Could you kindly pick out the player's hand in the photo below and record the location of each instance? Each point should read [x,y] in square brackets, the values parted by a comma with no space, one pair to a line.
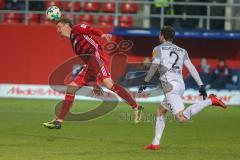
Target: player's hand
[202,91]
[142,87]
[97,90]
[108,37]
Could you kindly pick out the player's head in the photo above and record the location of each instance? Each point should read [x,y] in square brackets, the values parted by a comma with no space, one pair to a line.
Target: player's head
[64,27]
[167,33]
[221,62]
[203,61]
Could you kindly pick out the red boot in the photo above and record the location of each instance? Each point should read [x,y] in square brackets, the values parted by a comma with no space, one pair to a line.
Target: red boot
[216,101]
[152,147]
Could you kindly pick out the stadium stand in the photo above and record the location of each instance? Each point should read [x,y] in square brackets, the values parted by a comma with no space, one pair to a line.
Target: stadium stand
[36,5]
[129,7]
[105,20]
[109,7]
[33,18]
[11,18]
[91,6]
[2,4]
[44,20]
[15,5]
[75,5]
[86,18]
[184,14]
[54,3]
[70,16]
[134,14]
[125,21]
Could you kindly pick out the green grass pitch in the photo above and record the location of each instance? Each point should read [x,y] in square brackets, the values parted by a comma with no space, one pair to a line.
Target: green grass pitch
[213,134]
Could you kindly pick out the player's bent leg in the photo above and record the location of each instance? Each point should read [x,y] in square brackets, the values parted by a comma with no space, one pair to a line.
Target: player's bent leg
[119,90]
[196,108]
[180,117]
[108,82]
[73,88]
[68,100]
[161,111]
[66,105]
[159,128]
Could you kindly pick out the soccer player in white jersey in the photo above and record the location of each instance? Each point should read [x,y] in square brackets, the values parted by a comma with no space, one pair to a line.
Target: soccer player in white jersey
[169,59]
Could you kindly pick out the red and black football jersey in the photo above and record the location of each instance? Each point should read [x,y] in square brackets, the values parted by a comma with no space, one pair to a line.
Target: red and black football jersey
[82,42]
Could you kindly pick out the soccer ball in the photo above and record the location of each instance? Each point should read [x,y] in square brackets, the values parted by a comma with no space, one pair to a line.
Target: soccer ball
[53,13]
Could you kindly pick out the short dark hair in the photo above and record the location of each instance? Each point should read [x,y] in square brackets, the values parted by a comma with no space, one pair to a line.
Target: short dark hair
[168,33]
[222,59]
[65,21]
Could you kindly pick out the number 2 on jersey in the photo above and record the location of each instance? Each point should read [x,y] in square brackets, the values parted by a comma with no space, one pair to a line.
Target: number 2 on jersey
[175,62]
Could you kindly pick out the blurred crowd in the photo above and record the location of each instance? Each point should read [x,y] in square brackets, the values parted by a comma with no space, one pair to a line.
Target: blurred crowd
[219,77]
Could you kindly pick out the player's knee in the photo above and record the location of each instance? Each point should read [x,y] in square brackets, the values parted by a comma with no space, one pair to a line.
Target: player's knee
[72,89]
[109,86]
[108,82]
[161,111]
[182,120]
[180,117]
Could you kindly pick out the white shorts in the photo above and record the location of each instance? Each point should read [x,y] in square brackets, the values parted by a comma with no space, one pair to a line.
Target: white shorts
[173,101]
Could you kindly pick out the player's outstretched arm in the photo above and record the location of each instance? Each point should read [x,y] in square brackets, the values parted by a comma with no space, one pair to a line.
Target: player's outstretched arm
[151,71]
[149,76]
[191,68]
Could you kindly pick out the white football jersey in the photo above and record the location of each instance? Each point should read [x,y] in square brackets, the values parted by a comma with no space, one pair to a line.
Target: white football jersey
[170,58]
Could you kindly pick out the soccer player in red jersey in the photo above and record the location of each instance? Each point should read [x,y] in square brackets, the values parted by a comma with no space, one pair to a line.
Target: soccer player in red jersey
[96,68]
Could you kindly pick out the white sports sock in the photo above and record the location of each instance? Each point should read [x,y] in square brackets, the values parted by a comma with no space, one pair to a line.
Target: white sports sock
[196,108]
[160,125]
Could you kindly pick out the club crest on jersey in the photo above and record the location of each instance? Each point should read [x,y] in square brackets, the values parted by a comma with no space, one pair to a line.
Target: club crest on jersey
[154,53]
[83,26]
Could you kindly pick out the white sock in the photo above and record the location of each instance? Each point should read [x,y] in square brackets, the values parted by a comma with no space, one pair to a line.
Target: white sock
[160,125]
[196,108]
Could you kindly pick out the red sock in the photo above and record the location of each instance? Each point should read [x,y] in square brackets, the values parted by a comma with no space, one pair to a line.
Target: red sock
[124,95]
[66,105]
